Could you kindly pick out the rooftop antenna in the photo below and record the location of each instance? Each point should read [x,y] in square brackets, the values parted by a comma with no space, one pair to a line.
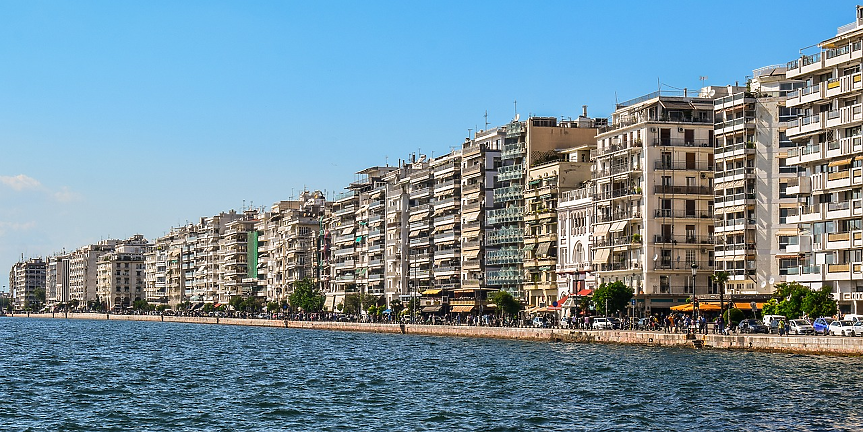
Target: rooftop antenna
[387,160]
[469,130]
[515,107]
[486,120]
[703,78]
[244,205]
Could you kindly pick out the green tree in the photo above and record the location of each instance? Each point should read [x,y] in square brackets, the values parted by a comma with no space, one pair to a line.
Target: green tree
[616,294]
[39,295]
[141,305]
[307,297]
[354,301]
[789,300]
[396,306]
[507,305]
[819,303]
[733,316]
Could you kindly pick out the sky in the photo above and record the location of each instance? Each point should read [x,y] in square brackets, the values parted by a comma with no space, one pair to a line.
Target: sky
[132,117]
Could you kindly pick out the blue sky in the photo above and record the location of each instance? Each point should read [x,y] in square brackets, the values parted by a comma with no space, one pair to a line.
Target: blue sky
[119,118]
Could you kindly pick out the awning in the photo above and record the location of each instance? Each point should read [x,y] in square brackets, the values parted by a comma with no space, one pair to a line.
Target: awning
[444,228]
[470,254]
[618,226]
[432,309]
[431,292]
[732,209]
[348,230]
[704,307]
[559,303]
[670,105]
[789,256]
[417,217]
[601,256]
[734,184]
[470,217]
[787,232]
[461,309]
[601,229]
[529,247]
[748,306]
[543,248]
[841,162]
[585,292]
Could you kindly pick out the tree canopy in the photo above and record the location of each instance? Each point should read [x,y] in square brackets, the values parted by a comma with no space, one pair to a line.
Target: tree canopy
[617,294]
[307,297]
[354,303]
[506,304]
[794,300]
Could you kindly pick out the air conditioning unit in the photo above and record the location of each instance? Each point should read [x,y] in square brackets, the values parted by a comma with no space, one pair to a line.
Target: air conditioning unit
[680,129]
[703,175]
[653,129]
[635,265]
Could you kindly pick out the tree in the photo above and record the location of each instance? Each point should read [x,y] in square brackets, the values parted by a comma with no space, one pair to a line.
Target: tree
[141,305]
[733,316]
[39,295]
[819,303]
[506,303]
[307,297]
[616,294]
[396,306]
[354,301]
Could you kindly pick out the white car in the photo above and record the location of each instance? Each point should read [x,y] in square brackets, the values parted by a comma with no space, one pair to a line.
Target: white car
[841,328]
[857,328]
[606,323]
[800,326]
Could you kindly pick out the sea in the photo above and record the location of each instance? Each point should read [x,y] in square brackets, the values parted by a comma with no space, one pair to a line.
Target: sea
[79,375]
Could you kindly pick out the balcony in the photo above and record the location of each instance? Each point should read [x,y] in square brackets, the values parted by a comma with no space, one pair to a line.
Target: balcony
[510,172]
[505,216]
[734,200]
[504,256]
[683,190]
[669,264]
[513,151]
[504,277]
[505,236]
[617,193]
[470,188]
[683,214]
[685,239]
[680,142]
[506,194]
[472,170]
[666,165]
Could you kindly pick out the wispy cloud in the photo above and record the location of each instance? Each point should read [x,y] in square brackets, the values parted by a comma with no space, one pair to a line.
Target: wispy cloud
[16,226]
[20,182]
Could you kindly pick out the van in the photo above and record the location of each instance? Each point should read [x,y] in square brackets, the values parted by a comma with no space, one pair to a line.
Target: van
[772,321]
[853,317]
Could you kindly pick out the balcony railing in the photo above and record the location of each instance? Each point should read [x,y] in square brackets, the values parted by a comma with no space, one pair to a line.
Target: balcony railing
[681,142]
[683,190]
[682,214]
[668,165]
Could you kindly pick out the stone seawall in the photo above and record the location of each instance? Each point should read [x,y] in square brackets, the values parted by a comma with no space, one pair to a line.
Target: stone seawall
[833,345]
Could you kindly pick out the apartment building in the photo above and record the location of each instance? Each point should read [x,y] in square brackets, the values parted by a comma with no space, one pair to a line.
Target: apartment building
[291,243]
[575,273]
[653,198]
[480,162]
[57,280]
[120,278]
[829,145]
[25,278]
[238,260]
[446,220]
[529,184]
[751,182]
[83,264]
[396,251]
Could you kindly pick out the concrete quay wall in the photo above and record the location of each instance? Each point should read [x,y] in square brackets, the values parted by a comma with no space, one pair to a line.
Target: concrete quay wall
[833,345]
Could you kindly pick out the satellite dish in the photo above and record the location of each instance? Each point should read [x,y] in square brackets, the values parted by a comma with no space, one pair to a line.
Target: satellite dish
[772,280]
[711,93]
[655,257]
[763,284]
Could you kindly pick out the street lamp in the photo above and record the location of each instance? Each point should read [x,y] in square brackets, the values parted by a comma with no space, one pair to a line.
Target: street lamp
[694,296]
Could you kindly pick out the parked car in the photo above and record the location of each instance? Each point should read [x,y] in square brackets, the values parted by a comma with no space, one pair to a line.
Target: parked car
[800,326]
[539,322]
[853,317]
[606,323]
[821,325]
[841,328]
[751,326]
[857,328]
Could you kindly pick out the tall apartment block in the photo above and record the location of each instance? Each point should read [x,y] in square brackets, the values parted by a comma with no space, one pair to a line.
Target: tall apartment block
[828,154]
[238,260]
[575,272]
[120,274]
[480,162]
[653,198]
[529,183]
[24,279]
[446,220]
[290,243]
[83,266]
[751,182]
[57,280]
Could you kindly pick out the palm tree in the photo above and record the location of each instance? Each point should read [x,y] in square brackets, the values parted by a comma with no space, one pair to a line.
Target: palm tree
[720,278]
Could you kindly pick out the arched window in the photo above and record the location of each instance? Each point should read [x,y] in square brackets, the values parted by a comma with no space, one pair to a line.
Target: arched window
[579,253]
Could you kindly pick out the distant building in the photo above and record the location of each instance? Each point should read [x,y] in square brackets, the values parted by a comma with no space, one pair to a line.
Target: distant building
[25,278]
[120,274]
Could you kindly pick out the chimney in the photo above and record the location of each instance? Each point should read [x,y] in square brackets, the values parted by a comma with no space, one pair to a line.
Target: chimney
[584,111]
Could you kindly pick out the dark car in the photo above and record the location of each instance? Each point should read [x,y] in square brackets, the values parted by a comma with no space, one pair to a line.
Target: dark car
[751,326]
[822,325]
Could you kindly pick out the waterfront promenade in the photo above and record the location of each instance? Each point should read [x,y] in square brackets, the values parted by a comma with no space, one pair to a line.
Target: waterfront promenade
[833,345]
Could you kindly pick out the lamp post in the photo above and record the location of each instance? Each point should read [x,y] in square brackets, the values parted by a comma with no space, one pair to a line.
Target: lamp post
[694,296]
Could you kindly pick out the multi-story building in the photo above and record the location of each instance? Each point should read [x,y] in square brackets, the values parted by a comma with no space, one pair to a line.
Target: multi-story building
[480,161]
[238,260]
[575,220]
[57,280]
[654,198]
[446,221]
[530,153]
[25,278]
[751,180]
[120,274]
[396,248]
[83,271]
[156,269]
[290,243]
[829,144]
[419,224]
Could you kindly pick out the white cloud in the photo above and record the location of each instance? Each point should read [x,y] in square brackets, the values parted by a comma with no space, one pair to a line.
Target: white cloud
[23,182]
[16,226]
[20,182]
